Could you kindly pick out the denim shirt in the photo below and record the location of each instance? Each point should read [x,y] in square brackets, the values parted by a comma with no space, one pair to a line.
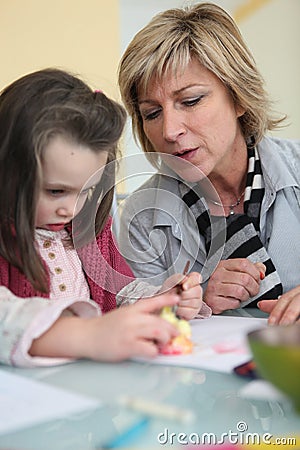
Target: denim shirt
[158,235]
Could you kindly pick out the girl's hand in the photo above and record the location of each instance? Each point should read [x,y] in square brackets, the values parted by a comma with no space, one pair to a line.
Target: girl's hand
[234,281]
[130,331]
[190,292]
[285,310]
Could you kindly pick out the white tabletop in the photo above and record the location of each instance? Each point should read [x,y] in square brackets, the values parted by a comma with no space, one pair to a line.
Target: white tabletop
[216,399]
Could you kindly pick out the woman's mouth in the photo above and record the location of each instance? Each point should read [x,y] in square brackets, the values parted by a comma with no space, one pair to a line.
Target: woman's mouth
[186,153]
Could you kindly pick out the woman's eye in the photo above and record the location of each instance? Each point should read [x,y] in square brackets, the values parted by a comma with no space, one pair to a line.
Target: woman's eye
[151,115]
[193,101]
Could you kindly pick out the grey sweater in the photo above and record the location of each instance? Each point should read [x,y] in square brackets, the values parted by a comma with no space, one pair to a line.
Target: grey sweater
[158,234]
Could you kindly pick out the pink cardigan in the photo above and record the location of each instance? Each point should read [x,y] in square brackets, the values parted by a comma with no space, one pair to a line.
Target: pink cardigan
[107,272]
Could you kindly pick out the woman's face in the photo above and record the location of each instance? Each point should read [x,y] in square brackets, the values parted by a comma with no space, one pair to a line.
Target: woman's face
[192,116]
[70,172]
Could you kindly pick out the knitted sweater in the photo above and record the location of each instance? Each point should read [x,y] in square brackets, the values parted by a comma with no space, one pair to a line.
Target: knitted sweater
[106,272]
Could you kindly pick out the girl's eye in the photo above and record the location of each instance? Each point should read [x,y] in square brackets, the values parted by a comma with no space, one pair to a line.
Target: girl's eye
[55,192]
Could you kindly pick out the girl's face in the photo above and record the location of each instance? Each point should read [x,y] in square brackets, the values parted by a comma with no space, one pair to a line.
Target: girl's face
[192,116]
[70,171]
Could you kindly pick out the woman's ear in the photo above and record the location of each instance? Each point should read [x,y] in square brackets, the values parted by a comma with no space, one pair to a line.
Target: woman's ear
[239,111]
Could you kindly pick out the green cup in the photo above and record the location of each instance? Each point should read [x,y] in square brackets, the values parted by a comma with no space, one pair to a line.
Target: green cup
[276,352]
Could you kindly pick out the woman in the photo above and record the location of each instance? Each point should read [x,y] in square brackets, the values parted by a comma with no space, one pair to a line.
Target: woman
[225,196]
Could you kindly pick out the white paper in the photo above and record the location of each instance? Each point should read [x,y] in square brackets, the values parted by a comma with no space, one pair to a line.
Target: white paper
[26,402]
[220,344]
[261,390]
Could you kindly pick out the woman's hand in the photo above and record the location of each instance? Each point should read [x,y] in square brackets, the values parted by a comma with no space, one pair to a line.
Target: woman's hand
[234,281]
[131,331]
[285,310]
[190,291]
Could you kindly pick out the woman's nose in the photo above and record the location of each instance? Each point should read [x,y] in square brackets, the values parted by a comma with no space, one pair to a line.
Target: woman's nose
[173,125]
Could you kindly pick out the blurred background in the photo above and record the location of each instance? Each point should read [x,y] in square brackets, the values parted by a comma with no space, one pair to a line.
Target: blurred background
[88,37]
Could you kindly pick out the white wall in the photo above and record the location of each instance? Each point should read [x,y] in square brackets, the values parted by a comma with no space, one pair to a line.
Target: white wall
[81,36]
[273,35]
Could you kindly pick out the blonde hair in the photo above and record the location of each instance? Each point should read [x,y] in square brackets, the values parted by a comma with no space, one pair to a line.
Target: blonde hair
[207,33]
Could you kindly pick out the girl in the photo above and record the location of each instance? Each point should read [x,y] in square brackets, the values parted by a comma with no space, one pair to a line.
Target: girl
[58,143]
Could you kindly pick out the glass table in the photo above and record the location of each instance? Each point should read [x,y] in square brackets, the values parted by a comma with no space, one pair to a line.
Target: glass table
[215,399]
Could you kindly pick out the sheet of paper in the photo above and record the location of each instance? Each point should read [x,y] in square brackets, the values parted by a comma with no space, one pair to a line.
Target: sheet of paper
[26,402]
[261,390]
[220,343]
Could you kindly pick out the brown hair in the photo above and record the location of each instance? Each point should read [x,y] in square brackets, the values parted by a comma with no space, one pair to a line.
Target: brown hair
[34,109]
